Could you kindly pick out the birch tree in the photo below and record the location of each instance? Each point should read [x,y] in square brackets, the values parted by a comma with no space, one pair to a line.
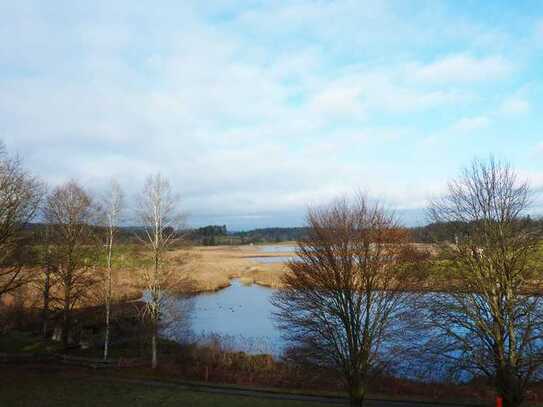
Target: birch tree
[112,204]
[159,215]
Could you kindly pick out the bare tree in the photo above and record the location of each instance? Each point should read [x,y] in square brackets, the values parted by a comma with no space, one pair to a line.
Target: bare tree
[112,205]
[159,215]
[20,197]
[45,281]
[344,294]
[489,324]
[70,213]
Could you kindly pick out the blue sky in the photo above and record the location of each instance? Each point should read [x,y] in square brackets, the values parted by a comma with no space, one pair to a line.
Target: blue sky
[256,109]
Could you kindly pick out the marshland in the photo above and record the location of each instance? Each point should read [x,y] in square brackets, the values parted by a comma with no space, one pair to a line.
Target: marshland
[271,203]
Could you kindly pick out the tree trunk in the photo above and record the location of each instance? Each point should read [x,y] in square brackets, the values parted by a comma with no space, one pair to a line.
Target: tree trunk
[66,317]
[45,310]
[154,362]
[511,398]
[155,315]
[508,388]
[66,323]
[357,391]
[108,312]
[108,296]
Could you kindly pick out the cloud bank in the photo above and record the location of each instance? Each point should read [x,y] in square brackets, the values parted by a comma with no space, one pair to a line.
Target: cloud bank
[255,110]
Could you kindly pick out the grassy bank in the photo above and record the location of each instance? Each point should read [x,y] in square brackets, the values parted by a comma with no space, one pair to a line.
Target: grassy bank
[44,388]
[214,363]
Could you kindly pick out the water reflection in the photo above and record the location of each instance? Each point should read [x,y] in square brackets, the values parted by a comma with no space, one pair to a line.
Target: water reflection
[272,260]
[277,249]
[240,314]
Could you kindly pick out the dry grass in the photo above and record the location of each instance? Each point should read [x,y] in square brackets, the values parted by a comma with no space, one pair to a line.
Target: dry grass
[206,269]
[211,268]
[267,275]
[199,269]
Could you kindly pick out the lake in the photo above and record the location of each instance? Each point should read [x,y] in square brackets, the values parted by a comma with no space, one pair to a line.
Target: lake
[272,260]
[277,249]
[240,317]
[239,314]
[274,249]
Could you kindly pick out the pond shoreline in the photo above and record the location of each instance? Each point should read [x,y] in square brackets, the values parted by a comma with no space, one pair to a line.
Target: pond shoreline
[213,268]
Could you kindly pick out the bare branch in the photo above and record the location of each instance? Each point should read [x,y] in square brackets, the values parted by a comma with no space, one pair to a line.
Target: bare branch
[489,324]
[346,289]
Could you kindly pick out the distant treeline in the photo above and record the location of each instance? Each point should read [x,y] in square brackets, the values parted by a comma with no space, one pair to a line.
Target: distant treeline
[219,235]
[211,235]
[273,235]
[451,231]
[433,232]
[214,235]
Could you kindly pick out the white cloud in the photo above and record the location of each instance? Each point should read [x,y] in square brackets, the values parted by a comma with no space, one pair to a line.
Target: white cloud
[462,68]
[338,101]
[535,180]
[470,124]
[401,99]
[515,106]
[257,111]
[359,92]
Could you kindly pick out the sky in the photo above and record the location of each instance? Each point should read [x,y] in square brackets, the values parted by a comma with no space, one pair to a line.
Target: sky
[255,110]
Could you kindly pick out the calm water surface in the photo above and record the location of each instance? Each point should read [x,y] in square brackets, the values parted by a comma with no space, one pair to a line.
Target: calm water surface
[272,260]
[240,314]
[277,249]
[274,249]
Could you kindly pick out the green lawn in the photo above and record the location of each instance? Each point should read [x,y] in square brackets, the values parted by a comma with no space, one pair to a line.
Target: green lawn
[21,388]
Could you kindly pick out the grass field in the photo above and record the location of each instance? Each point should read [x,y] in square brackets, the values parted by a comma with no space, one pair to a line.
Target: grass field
[49,389]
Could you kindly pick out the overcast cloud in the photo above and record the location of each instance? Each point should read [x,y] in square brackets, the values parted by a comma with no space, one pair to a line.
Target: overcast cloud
[256,109]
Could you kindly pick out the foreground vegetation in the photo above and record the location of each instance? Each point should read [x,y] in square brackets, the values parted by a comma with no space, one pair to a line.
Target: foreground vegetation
[342,304]
[215,363]
[51,388]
